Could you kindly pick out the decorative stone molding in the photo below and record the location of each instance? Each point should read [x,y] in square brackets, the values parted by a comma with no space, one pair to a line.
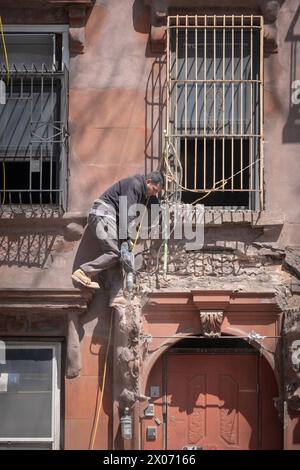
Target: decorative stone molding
[158,23]
[211,323]
[270,10]
[128,357]
[77,11]
[159,13]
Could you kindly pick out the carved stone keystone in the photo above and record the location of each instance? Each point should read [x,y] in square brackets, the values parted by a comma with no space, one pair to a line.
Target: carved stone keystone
[211,323]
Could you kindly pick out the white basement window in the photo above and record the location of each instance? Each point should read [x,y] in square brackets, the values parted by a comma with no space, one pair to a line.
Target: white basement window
[30,396]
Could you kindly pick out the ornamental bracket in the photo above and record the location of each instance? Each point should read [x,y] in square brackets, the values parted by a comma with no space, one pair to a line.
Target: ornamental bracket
[211,322]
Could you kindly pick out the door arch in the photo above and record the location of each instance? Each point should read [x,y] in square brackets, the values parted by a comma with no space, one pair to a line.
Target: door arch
[211,394]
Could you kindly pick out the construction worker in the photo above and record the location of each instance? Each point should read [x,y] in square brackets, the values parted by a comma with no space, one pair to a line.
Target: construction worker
[107,220]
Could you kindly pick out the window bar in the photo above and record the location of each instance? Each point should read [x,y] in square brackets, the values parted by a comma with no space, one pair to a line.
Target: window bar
[41,172]
[215,99]
[176,89]
[185,163]
[196,101]
[169,99]
[30,151]
[232,102]
[204,113]
[232,162]
[152,112]
[223,102]
[185,100]
[251,104]
[232,77]
[51,143]
[196,163]
[261,78]
[30,174]
[168,102]
[241,117]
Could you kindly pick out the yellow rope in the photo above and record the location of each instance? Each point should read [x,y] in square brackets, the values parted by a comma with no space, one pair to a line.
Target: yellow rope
[99,404]
[7,82]
[215,187]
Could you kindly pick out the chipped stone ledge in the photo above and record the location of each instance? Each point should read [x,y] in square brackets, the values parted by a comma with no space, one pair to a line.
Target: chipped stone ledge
[58,301]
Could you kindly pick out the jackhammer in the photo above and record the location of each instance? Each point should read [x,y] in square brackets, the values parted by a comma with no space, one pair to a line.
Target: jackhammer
[127,260]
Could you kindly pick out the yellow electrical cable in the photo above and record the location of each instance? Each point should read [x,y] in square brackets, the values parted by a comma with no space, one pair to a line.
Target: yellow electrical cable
[7,82]
[99,406]
[215,188]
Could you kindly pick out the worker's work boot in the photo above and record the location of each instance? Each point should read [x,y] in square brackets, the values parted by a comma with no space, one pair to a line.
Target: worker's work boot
[83,279]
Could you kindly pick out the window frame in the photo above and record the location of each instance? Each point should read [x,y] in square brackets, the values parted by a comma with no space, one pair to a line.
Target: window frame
[172,137]
[62,29]
[54,440]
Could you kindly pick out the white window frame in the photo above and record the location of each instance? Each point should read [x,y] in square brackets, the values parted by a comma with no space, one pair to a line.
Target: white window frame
[54,440]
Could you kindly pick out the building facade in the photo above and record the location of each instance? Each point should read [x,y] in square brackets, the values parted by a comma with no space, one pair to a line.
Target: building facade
[207,355]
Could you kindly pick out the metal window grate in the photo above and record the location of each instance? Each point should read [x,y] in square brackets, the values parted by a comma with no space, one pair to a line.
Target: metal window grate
[33,137]
[215,108]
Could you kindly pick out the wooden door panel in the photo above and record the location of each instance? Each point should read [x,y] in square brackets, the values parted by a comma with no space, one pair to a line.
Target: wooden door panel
[212,401]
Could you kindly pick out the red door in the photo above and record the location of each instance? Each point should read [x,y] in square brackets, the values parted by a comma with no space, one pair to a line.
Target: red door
[213,401]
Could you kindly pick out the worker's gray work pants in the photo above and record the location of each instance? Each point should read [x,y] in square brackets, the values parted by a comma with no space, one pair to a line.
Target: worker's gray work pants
[105,229]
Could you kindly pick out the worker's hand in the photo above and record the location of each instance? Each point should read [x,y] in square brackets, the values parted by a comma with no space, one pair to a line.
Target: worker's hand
[130,244]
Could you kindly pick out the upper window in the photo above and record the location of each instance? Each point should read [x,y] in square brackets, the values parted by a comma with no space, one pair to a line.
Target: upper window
[214,109]
[33,120]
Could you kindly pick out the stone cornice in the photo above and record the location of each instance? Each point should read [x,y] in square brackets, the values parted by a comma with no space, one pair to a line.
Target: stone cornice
[159,11]
[197,300]
[58,301]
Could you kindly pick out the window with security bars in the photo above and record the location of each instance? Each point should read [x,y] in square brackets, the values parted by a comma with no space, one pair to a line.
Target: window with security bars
[33,121]
[214,110]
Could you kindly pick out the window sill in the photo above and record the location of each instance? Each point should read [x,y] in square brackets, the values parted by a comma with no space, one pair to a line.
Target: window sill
[215,217]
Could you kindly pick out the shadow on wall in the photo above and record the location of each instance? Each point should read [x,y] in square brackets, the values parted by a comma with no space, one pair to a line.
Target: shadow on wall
[155,106]
[291,130]
[26,249]
[155,96]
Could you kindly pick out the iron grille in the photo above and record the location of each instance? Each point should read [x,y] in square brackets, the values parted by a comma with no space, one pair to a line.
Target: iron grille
[33,137]
[215,109]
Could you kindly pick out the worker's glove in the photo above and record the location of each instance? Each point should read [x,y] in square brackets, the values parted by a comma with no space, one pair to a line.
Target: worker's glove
[130,244]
